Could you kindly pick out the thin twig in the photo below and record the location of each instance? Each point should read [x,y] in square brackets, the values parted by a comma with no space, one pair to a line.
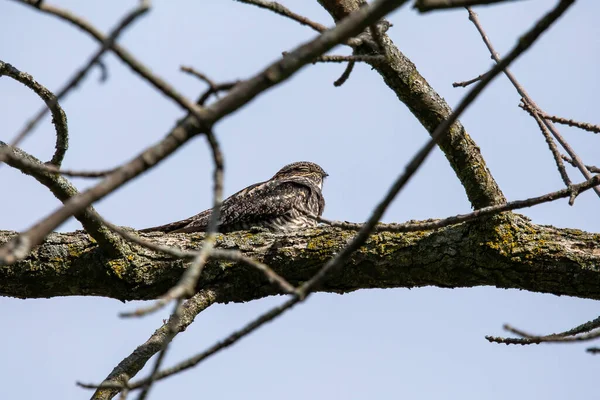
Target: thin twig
[591,168]
[283,11]
[555,153]
[59,118]
[527,99]
[357,58]
[434,5]
[213,87]
[190,70]
[467,83]
[345,75]
[582,125]
[583,328]
[527,338]
[51,169]
[219,87]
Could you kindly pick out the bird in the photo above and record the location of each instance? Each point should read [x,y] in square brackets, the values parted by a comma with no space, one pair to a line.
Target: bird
[292,199]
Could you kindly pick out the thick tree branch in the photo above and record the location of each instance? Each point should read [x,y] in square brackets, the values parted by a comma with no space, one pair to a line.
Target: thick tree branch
[401,75]
[505,251]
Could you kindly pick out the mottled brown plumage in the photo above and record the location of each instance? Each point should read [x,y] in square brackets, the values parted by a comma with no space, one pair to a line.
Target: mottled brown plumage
[290,200]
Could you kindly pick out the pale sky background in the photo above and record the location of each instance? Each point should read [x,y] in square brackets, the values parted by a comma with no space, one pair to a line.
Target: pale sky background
[424,343]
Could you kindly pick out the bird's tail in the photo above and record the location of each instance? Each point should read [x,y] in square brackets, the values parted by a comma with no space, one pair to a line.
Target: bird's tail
[198,221]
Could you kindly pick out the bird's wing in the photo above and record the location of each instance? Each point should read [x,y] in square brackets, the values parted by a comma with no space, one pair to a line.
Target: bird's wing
[263,201]
[254,205]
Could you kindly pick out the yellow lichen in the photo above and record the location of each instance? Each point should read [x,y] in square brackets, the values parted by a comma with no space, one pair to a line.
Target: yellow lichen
[117,266]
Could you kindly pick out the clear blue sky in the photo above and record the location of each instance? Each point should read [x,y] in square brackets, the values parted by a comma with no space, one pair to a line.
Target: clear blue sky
[419,344]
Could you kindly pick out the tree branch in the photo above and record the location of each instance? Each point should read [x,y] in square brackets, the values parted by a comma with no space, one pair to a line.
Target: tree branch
[59,118]
[505,251]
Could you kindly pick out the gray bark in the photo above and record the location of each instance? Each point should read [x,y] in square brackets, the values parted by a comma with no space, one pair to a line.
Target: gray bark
[506,251]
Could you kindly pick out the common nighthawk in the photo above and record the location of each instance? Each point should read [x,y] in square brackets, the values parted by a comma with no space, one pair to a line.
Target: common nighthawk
[290,200]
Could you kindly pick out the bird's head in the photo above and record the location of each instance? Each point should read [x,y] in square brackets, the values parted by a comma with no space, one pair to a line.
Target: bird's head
[304,169]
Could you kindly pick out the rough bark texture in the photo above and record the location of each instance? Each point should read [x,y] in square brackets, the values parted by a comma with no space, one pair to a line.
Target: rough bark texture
[506,251]
[401,75]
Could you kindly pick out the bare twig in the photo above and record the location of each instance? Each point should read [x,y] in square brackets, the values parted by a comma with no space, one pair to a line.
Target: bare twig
[582,125]
[467,83]
[281,10]
[529,101]
[555,153]
[585,327]
[59,118]
[51,169]
[433,5]
[527,338]
[219,87]
[103,71]
[591,168]
[213,87]
[357,58]
[345,75]
[212,84]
